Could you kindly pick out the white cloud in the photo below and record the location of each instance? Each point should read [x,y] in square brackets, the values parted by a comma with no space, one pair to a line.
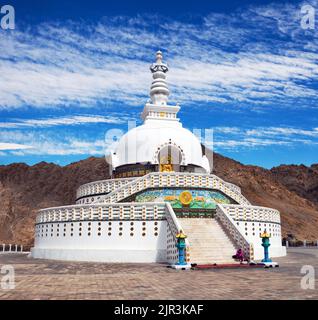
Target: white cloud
[13,146]
[226,130]
[63,121]
[51,143]
[20,143]
[257,56]
[235,138]
[274,131]
[250,143]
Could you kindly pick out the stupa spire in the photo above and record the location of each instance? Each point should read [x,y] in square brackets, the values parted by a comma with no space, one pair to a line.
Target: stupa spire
[159,91]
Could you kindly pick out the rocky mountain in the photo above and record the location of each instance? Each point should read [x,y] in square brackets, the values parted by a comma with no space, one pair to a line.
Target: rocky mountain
[25,189]
[265,188]
[300,179]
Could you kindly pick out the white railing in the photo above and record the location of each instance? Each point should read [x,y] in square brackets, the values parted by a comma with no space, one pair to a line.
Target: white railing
[100,187]
[11,248]
[234,187]
[173,179]
[239,238]
[173,228]
[112,211]
[252,213]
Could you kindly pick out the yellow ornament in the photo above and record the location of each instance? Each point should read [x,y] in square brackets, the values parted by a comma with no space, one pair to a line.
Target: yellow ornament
[166,168]
[181,235]
[185,198]
[265,234]
[166,164]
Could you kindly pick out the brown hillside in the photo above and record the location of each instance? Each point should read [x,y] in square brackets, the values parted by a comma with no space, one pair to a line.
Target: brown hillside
[25,189]
[300,179]
[299,215]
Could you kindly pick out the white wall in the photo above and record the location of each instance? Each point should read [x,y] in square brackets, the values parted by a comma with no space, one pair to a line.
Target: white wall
[252,230]
[111,241]
[101,241]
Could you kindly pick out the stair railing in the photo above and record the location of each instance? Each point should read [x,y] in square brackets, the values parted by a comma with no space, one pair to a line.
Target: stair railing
[239,238]
[126,190]
[101,187]
[13,248]
[173,228]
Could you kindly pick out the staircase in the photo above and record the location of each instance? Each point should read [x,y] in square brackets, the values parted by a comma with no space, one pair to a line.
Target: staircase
[209,243]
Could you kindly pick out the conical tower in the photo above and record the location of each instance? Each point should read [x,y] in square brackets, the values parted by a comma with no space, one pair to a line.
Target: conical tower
[157,108]
[159,91]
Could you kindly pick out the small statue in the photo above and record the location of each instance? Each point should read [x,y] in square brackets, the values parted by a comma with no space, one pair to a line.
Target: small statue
[166,164]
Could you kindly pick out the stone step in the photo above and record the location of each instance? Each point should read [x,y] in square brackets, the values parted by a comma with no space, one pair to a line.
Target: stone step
[224,257]
[215,254]
[207,236]
[200,259]
[214,249]
[210,259]
[208,242]
[207,249]
[218,241]
[211,254]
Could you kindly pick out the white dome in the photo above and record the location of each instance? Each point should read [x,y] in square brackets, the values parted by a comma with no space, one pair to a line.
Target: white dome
[142,144]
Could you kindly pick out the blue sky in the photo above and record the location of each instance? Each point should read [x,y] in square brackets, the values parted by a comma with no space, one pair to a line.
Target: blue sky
[71,71]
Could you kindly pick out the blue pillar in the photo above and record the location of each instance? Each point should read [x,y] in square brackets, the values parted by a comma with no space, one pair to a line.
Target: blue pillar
[265,243]
[181,245]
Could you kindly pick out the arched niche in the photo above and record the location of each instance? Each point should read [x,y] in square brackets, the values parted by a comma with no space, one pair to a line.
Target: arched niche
[169,158]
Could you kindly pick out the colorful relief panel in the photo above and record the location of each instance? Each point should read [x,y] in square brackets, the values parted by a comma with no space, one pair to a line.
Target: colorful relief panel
[180,198]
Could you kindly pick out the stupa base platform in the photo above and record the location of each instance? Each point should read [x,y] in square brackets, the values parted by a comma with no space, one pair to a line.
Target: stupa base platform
[100,255]
[271,264]
[227,266]
[181,266]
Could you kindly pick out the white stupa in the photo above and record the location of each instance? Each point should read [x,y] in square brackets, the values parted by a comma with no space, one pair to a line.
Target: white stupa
[161,184]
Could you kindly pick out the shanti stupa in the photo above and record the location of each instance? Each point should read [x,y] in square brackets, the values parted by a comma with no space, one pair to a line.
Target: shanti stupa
[161,184]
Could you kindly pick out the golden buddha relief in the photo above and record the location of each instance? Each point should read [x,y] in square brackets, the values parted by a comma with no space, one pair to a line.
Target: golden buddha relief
[166,164]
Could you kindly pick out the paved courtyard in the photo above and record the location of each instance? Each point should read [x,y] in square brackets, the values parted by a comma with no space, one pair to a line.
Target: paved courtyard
[41,279]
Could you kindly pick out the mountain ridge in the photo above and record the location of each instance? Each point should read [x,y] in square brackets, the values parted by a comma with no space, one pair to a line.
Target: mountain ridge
[25,189]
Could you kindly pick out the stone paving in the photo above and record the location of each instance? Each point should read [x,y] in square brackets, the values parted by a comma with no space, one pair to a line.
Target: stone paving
[43,279]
